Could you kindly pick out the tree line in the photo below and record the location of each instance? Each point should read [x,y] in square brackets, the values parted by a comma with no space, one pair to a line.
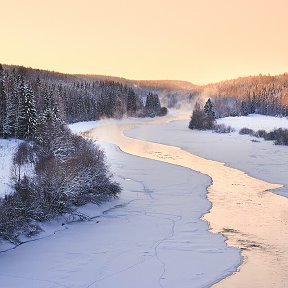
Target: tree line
[263,94]
[26,96]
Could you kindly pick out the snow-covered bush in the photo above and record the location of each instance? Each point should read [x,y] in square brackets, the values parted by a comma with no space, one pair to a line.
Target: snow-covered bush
[260,133]
[222,128]
[279,136]
[246,131]
[76,175]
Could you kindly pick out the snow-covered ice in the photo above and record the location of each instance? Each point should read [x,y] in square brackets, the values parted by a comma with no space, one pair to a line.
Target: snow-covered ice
[152,236]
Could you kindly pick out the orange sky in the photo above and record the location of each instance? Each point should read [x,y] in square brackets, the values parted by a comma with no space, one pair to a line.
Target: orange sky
[200,41]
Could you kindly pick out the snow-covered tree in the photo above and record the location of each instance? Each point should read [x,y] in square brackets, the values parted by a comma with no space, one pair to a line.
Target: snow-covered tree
[11,121]
[29,114]
[201,119]
[3,102]
[152,105]
[131,102]
[209,109]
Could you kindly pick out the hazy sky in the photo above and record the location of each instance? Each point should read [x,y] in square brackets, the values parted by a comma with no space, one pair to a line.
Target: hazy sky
[200,41]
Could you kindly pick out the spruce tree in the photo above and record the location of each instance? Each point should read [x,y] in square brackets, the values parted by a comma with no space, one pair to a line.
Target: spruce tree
[203,118]
[29,115]
[209,109]
[3,102]
[152,105]
[131,102]
[11,118]
[21,113]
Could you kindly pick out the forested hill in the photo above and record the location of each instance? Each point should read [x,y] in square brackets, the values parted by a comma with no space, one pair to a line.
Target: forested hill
[263,94]
[152,84]
[54,171]
[172,93]
[72,98]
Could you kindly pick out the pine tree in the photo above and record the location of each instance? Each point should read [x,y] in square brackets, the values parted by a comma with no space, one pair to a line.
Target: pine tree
[203,118]
[21,113]
[29,116]
[12,103]
[244,108]
[152,105]
[50,125]
[198,118]
[50,109]
[209,109]
[3,102]
[131,102]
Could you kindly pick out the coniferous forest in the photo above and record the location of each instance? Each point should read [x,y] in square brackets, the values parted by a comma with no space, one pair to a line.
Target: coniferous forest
[263,94]
[55,171]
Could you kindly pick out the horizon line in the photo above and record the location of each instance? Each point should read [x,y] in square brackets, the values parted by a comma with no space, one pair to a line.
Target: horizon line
[156,80]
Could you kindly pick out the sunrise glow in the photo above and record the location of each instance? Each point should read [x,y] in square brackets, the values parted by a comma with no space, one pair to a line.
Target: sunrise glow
[198,41]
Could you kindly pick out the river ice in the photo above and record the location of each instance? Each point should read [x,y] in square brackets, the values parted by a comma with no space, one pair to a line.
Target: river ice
[152,236]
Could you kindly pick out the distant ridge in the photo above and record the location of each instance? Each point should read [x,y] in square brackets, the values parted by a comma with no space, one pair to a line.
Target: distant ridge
[155,84]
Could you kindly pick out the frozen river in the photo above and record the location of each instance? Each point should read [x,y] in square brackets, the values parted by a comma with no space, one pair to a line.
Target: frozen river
[252,218]
[156,234]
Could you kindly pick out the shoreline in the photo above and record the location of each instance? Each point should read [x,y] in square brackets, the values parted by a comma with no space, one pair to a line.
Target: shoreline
[252,246]
[261,160]
[158,157]
[152,237]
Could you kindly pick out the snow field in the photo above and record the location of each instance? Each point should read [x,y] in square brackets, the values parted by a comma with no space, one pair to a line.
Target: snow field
[255,122]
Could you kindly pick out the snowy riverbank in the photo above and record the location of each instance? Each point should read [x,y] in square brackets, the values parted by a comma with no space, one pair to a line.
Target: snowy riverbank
[152,236]
[261,159]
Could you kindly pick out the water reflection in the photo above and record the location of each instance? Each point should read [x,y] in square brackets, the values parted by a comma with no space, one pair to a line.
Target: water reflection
[252,218]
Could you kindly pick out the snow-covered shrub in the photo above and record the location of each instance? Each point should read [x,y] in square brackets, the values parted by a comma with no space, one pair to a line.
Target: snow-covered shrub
[82,178]
[19,212]
[163,111]
[279,136]
[222,128]
[76,175]
[246,131]
[260,134]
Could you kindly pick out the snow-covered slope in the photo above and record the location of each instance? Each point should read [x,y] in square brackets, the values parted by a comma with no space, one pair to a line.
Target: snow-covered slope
[7,149]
